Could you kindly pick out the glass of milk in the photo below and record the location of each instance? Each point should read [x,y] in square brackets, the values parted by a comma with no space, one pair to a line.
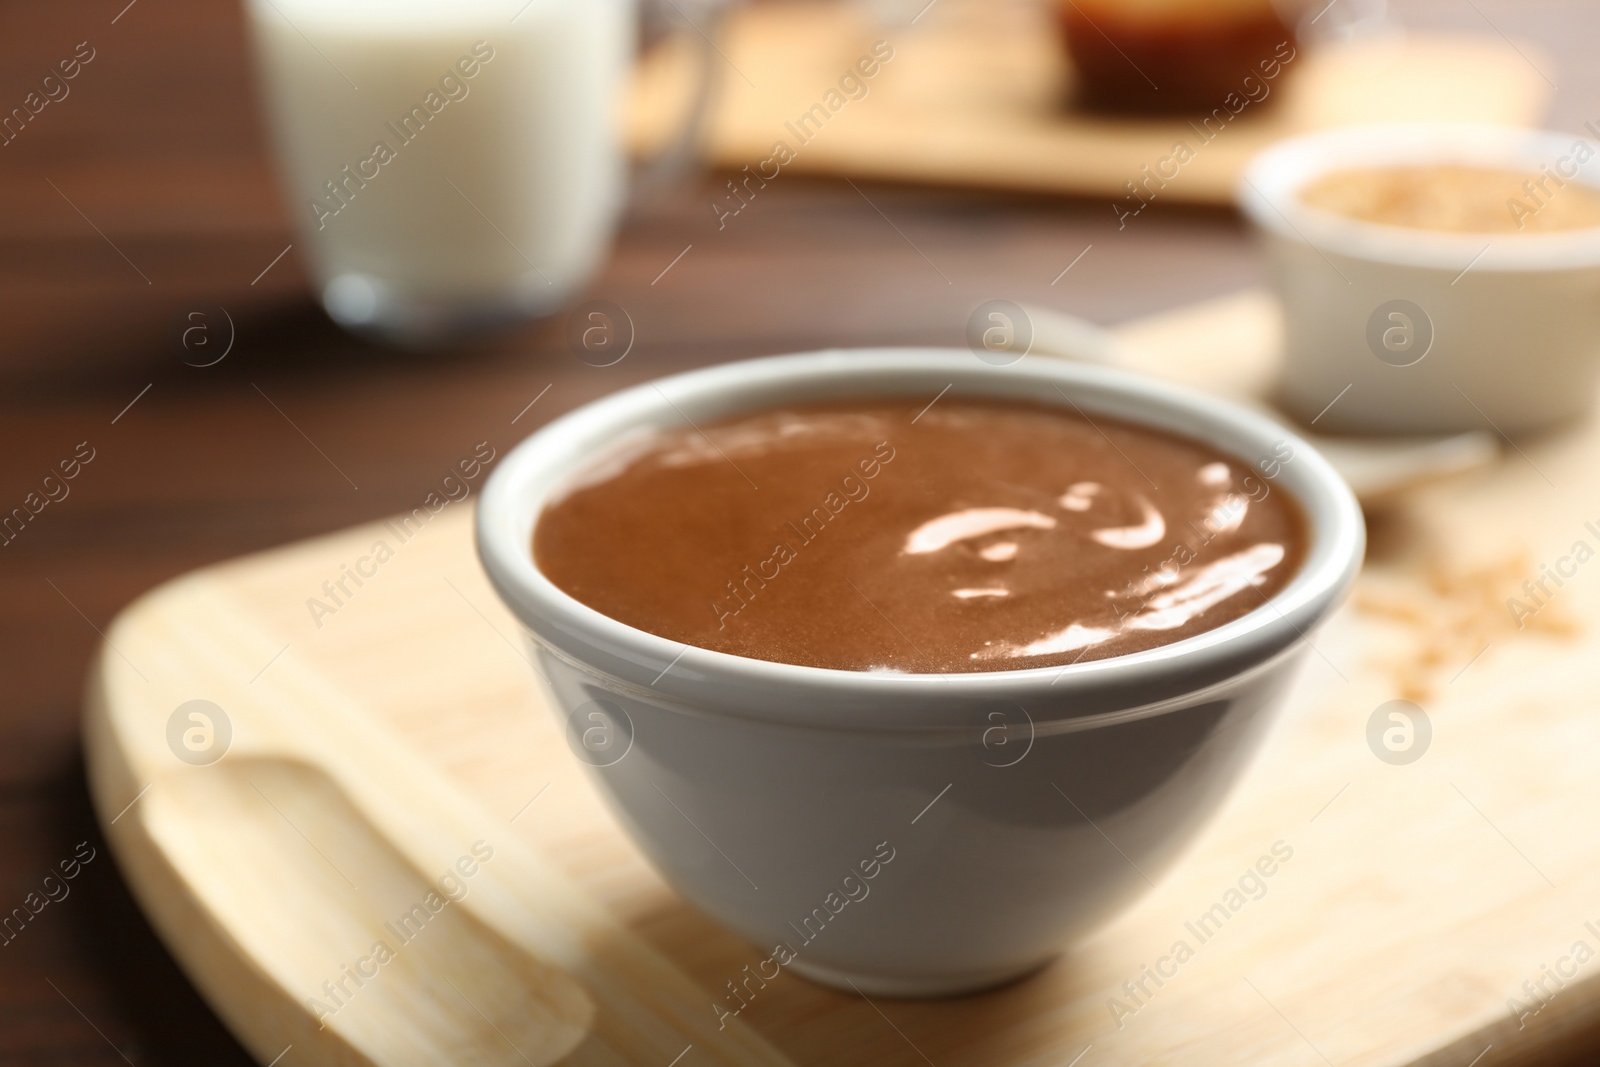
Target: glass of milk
[450,165]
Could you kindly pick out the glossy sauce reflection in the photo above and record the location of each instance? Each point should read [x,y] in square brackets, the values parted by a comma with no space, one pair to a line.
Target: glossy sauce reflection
[984,536]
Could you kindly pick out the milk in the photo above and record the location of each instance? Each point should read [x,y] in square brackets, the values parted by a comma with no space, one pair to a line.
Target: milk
[446,162]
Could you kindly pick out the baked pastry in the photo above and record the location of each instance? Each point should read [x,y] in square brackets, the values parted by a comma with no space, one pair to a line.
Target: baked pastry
[1174,56]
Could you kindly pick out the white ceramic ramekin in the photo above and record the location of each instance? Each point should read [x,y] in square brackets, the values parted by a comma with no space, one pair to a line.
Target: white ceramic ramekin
[1017,809]
[1405,330]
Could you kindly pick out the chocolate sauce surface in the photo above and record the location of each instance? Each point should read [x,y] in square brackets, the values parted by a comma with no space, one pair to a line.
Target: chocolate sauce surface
[977,536]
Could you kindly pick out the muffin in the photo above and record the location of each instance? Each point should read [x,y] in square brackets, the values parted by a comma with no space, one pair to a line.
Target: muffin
[1173,56]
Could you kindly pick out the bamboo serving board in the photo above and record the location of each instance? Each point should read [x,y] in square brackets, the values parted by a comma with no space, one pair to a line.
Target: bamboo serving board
[1441,912]
[975,92]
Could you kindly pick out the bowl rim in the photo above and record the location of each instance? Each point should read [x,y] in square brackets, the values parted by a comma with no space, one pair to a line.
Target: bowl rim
[627,660]
[1268,194]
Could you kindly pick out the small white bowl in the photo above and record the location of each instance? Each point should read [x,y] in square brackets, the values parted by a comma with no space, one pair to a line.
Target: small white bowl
[1400,330]
[1020,809]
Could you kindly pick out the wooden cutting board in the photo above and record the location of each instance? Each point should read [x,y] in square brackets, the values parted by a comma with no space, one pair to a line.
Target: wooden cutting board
[974,96]
[1408,907]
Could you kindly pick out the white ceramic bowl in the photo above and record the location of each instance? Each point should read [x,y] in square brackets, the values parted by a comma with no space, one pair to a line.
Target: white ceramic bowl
[1498,331]
[1018,809]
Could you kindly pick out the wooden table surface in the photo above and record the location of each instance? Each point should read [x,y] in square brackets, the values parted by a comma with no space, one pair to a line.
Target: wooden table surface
[143,199]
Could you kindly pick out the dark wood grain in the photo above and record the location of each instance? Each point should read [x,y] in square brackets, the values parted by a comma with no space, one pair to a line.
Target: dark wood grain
[145,196]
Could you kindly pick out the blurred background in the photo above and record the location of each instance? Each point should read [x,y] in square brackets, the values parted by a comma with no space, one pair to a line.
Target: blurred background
[163,306]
